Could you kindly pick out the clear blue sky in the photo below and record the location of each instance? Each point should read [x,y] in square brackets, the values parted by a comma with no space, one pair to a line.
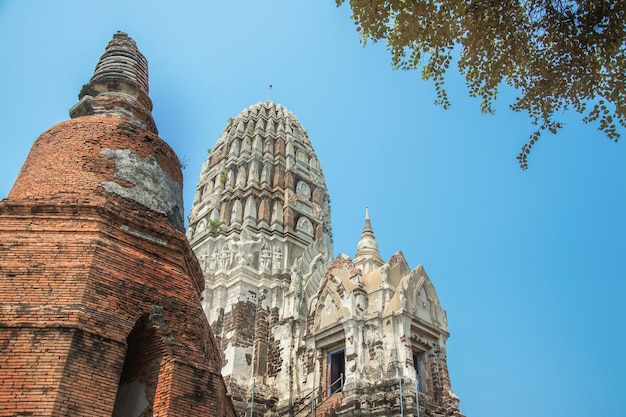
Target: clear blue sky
[530,266]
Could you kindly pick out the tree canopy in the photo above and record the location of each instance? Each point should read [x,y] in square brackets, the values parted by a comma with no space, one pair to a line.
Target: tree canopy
[557,54]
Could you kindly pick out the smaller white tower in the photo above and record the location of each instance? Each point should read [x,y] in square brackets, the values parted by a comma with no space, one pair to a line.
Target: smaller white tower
[367,256]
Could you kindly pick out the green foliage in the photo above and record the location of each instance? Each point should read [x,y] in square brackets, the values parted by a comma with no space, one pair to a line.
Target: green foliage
[230,121]
[558,54]
[223,177]
[214,224]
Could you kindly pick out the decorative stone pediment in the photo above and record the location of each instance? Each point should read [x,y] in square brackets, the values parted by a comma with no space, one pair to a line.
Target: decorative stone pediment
[416,295]
[329,311]
[398,268]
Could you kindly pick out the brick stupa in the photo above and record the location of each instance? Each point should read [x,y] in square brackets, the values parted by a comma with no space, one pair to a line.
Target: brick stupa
[100,309]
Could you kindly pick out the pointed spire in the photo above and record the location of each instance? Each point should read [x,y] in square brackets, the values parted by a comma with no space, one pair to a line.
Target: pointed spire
[119,85]
[367,255]
[368,224]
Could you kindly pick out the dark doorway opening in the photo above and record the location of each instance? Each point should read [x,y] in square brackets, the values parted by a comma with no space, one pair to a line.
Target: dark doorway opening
[336,370]
[138,381]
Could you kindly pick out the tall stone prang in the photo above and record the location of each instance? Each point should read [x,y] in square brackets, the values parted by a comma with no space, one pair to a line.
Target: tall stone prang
[100,311]
[298,330]
[260,225]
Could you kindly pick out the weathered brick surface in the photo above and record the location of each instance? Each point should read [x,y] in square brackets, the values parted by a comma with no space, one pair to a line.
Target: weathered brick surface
[66,161]
[274,349]
[328,406]
[79,268]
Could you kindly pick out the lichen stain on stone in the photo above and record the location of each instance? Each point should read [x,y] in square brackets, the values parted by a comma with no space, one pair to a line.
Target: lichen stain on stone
[152,187]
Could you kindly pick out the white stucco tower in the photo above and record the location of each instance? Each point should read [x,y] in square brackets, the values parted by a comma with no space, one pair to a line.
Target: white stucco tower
[298,329]
[260,225]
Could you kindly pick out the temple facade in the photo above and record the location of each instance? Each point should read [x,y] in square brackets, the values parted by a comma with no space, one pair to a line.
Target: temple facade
[109,307]
[302,331]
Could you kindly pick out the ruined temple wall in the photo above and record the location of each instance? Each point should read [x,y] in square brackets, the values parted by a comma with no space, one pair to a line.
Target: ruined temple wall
[257,344]
[73,284]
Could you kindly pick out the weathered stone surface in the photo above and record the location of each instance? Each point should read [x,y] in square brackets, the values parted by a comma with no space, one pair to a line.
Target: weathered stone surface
[260,225]
[282,308]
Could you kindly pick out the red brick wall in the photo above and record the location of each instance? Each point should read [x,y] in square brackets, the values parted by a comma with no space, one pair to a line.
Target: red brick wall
[65,160]
[78,269]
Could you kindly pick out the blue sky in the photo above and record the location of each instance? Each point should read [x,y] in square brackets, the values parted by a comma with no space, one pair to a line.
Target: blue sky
[529,265]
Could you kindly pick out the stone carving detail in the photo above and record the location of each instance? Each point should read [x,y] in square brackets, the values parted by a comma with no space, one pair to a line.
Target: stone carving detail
[307,273]
[257,143]
[213,262]
[277,213]
[241,177]
[303,189]
[236,215]
[245,248]
[317,211]
[266,174]
[203,258]
[290,197]
[225,258]
[265,258]
[246,145]
[423,300]
[201,226]
[296,279]
[304,225]
[234,148]
[215,214]
[230,181]
[255,172]
[277,257]
[250,212]
[301,156]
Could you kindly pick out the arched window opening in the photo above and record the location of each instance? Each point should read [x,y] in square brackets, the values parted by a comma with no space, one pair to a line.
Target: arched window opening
[140,373]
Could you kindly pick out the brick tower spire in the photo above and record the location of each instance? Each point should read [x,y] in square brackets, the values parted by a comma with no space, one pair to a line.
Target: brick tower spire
[100,292]
[119,85]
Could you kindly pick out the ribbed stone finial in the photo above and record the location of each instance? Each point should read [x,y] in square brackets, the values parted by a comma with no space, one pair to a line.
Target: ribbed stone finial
[119,85]
[367,255]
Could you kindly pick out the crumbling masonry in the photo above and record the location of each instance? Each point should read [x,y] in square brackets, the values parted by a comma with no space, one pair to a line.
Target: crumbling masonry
[105,304]
[295,326]
[100,309]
